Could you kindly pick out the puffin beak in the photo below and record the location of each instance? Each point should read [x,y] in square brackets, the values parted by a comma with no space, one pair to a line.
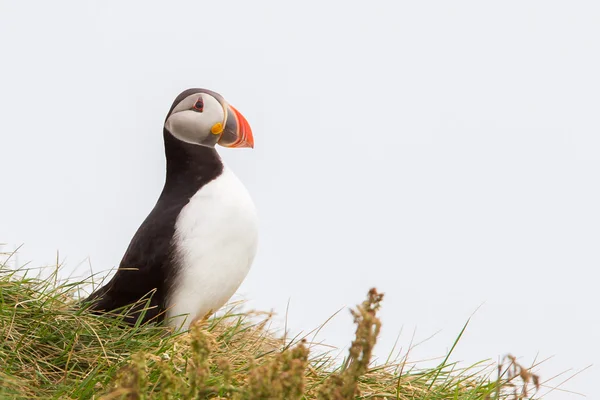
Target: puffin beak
[237,131]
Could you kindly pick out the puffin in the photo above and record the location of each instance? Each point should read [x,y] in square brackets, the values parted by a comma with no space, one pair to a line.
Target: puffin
[194,249]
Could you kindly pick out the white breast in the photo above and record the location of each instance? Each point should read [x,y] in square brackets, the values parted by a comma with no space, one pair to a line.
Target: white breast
[216,236]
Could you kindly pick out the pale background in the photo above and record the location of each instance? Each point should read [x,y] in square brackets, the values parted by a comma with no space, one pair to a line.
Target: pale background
[447,153]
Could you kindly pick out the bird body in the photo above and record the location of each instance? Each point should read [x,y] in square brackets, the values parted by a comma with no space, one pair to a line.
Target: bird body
[196,246]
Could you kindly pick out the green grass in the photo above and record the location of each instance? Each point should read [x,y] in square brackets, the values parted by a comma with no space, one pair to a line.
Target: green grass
[52,348]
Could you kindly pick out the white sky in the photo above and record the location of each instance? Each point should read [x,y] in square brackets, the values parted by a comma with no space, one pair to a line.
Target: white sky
[447,153]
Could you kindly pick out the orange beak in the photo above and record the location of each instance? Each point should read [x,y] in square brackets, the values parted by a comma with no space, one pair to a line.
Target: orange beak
[237,131]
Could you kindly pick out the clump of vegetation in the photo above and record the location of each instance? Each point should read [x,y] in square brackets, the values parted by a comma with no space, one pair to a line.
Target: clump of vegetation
[52,348]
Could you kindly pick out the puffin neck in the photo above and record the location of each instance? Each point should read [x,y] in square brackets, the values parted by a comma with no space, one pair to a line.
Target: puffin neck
[188,163]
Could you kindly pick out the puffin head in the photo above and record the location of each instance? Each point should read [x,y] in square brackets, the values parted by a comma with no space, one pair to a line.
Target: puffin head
[203,117]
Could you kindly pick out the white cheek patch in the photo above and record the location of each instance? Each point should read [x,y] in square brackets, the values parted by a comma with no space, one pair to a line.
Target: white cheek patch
[186,126]
[193,126]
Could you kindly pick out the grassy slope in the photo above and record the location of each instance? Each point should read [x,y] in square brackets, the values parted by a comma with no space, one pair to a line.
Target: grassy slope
[51,348]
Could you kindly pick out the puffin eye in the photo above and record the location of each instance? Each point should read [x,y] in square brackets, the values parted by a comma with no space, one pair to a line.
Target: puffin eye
[199,106]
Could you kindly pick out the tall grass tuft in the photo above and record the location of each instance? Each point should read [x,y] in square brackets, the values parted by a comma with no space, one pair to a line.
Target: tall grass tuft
[53,348]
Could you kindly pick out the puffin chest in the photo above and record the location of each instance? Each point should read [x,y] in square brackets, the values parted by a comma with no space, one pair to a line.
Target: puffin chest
[215,241]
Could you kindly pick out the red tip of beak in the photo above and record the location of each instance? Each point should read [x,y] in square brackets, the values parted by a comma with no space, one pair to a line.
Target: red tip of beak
[244,133]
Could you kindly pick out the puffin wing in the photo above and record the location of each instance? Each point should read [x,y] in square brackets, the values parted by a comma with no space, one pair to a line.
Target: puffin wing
[141,274]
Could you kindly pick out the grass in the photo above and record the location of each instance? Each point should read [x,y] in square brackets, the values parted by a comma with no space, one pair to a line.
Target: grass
[52,348]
